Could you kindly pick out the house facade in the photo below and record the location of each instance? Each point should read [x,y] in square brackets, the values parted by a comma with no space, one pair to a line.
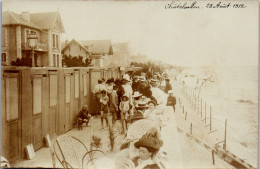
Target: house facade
[15,30]
[99,51]
[121,55]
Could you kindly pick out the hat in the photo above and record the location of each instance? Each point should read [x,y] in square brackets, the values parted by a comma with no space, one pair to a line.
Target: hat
[141,104]
[137,116]
[170,91]
[100,80]
[137,94]
[141,78]
[153,80]
[150,140]
[125,96]
[85,107]
[103,91]
[109,80]
[126,77]
[167,79]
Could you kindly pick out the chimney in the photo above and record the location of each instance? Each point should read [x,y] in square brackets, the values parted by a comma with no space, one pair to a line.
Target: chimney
[26,16]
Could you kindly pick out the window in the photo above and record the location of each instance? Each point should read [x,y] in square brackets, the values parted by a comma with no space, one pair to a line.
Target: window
[53,90]
[54,60]
[4,37]
[27,32]
[3,58]
[11,84]
[67,88]
[85,84]
[55,41]
[37,95]
[76,84]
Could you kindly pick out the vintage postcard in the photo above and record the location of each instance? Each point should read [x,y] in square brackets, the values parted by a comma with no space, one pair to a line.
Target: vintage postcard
[129,84]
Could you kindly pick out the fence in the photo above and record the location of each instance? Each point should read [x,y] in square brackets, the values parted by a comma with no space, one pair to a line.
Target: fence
[40,101]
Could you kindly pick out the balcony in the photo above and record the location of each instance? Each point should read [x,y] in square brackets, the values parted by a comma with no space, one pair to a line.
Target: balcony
[41,47]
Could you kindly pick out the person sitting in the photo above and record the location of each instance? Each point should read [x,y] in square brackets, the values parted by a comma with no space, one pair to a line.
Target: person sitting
[150,112]
[148,145]
[83,116]
[171,101]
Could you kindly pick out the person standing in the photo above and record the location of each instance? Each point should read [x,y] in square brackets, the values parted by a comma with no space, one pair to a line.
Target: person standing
[97,95]
[124,108]
[104,108]
[168,86]
[113,104]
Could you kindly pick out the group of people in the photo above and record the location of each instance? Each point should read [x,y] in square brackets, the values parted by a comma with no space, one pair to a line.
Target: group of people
[130,99]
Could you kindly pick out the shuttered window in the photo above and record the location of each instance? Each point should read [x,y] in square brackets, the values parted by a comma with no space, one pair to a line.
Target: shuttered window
[76,84]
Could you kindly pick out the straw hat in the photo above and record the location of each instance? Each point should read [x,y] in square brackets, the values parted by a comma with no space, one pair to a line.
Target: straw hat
[153,80]
[126,77]
[137,94]
[141,104]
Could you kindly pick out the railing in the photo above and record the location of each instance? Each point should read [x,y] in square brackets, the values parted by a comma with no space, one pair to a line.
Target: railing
[39,47]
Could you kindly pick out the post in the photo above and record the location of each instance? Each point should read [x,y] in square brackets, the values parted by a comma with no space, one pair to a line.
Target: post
[191,129]
[213,158]
[225,136]
[210,118]
[33,64]
[186,115]
[201,107]
[205,111]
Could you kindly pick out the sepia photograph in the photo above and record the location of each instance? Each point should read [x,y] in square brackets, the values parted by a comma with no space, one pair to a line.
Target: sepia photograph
[129,84]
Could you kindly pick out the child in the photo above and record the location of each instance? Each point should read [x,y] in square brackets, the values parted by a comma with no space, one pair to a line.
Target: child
[104,107]
[171,101]
[124,108]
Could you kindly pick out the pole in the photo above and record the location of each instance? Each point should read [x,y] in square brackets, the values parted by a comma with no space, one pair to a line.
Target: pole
[191,129]
[186,115]
[33,64]
[205,111]
[182,109]
[213,158]
[210,118]
[201,107]
[225,137]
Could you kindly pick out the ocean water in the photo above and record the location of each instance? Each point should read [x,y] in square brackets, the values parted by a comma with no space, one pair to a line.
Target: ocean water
[232,93]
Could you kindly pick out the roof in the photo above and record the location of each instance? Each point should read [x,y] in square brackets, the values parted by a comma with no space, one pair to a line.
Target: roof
[47,20]
[73,40]
[11,18]
[39,21]
[98,46]
[120,47]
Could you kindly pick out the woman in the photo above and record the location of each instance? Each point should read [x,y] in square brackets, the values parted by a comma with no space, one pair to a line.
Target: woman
[148,145]
[150,112]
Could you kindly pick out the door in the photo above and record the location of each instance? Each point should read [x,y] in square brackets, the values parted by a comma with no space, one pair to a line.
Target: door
[76,102]
[11,117]
[94,76]
[53,103]
[37,112]
[68,117]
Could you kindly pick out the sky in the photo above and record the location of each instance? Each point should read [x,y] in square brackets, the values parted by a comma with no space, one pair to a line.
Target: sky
[190,37]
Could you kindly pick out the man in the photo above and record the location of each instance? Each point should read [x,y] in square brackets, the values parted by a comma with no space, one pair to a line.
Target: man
[127,88]
[158,94]
[113,104]
[97,95]
[171,101]
[83,116]
[168,86]
[104,108]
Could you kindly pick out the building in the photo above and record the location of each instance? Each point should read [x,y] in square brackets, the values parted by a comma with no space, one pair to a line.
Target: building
[121,55]
[138,58]
[75,49]
[99,51]
[15,30]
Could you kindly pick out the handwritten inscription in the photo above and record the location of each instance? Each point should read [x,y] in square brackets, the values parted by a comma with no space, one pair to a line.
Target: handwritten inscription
[196,5]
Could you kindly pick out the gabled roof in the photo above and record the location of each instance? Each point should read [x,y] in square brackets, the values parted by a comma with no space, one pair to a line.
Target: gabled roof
[73,40]
[11,18]
[39,21]
[47,20]
[120,47]
[98,47]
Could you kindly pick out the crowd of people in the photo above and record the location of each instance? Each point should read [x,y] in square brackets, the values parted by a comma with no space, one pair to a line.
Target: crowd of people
[129,100]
